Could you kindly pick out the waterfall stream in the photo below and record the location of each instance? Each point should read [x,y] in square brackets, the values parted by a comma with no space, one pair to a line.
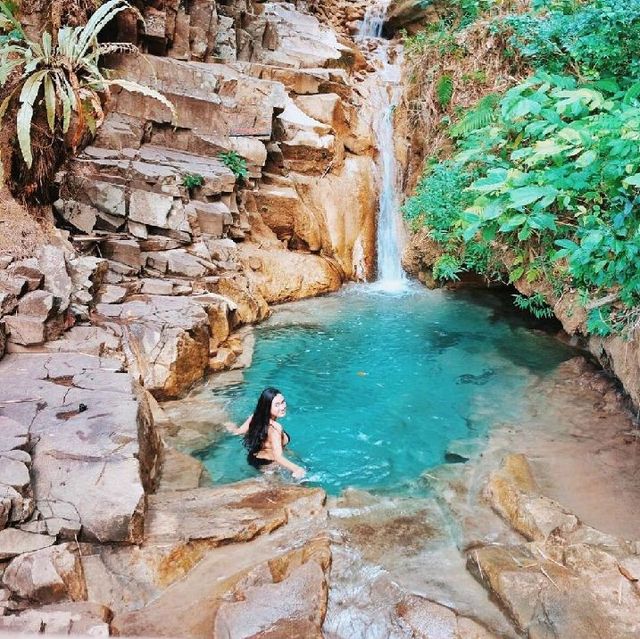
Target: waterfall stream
[385,97]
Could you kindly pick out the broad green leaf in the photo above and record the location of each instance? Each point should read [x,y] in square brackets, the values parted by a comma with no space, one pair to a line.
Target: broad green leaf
[529,194]
[512,223]
[50,101]
[586,159]
[632,180]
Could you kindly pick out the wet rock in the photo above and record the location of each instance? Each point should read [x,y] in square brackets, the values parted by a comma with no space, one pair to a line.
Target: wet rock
[16,542]
[297,609]
[513,493]
[180,471]
[47,576]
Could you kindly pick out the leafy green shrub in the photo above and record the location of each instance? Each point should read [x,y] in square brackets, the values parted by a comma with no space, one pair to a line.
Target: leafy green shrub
[66,74]
[535,304]
[597,39]
[235,163]
[447,267]
[192,180]
[554,175]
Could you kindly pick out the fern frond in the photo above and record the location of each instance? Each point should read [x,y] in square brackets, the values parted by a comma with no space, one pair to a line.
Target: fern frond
[477,118]
[444,90]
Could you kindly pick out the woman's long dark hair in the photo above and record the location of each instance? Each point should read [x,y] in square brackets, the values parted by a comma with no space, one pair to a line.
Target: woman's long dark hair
[259,424]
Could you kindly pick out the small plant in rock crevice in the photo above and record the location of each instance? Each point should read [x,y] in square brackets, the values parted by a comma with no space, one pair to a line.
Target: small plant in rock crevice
[235,163]
[192,180]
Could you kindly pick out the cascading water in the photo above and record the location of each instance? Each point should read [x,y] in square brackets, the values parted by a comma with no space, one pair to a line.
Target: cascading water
[385,96]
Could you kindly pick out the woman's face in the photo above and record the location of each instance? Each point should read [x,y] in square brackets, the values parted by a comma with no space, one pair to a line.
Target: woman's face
[278,407]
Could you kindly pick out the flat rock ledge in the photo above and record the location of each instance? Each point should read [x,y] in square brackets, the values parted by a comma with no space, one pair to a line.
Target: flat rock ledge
[93,449]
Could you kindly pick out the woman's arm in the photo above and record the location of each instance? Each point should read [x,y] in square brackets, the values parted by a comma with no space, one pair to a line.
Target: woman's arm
[240,430]
[275,440]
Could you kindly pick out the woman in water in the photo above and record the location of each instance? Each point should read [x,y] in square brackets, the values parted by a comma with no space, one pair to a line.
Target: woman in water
[264,437]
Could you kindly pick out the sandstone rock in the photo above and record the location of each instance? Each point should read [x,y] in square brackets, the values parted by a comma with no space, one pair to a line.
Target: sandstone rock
[110,294]
[13,284]
[125,251]
[237,512]
[168,341]
[82,216]
[288,276]
[8,303]
[426,619]
[324,107]
[51,261]
[26,330]
[221,313]
[251,305]
[38,304]
[222,360]
[157,287]
[150,208]
[212,217]
[12,434]
[96,449]
[69,618]
[14,473]
[48,575]
[297,609]
[17,542]
[180,471]
[29,270]
[513,493]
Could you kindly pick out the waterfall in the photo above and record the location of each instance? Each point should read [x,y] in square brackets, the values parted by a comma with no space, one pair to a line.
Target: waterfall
[385,97]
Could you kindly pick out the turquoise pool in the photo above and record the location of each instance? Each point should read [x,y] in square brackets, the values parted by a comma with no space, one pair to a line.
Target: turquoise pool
[379,384]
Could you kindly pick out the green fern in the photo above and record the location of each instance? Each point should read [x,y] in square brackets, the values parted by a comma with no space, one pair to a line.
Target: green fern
[444,90]
[479,117]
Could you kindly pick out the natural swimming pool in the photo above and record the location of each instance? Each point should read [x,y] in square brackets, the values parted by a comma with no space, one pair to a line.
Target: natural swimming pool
[381,385]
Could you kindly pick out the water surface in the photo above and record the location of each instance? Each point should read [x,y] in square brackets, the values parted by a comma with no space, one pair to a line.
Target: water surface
[378,385]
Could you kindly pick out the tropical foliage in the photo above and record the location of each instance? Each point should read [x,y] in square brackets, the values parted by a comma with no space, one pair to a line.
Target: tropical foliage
[546,177]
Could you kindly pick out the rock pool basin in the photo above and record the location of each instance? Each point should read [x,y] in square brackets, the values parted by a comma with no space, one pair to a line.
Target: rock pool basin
[382,386]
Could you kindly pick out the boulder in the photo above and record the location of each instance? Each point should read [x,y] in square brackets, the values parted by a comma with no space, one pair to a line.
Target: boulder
[167,341]
[14,473]
[8,303]
[29,270]
[123,251]
[49,575]
[40,304]
[283,276]
[25,330]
